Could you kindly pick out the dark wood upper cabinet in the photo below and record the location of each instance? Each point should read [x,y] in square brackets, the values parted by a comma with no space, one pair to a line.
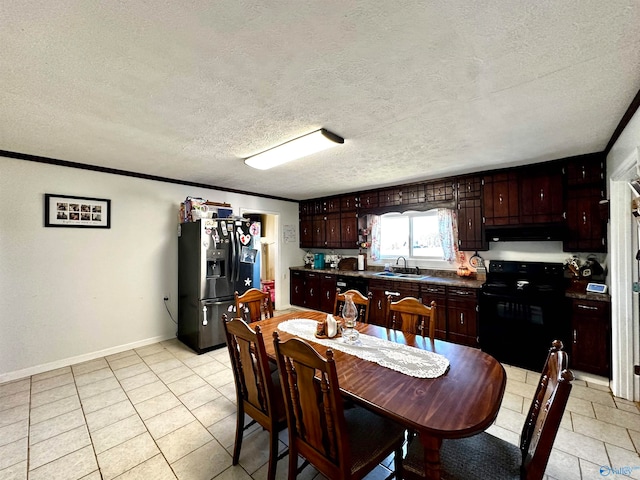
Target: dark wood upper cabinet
[586,219]
[562,195]
[469,187]
[586,228]
[585,170]
[332,230]
[413,194]
[501,205]
[306,231]
[541,195]
[440,191]
[369,200]
[470,228]
[349,203]
[390,197]
[349,230]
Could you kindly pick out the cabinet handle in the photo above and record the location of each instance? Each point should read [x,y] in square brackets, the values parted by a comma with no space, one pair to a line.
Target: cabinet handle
[500,199]
[461,318]
[379,304]
[584,218]
[470,224]
[584,172]
[311,292]
[542,195]
[587,307]
[575,336]
[393,294]
[348,228]
[328,295]
[296,289]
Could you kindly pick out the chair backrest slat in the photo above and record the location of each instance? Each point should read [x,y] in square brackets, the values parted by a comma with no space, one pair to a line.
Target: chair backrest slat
[545,414]
[362,304]
[254,305]
[314,405]
[249,361]
[410,315]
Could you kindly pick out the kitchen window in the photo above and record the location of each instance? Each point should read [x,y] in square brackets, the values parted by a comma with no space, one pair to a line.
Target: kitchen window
[415,235]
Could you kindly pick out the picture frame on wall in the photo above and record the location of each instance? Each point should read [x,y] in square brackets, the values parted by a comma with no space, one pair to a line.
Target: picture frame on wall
[78,212]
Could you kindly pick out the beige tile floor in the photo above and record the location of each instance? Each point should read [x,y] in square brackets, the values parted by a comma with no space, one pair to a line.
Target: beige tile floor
[163,412]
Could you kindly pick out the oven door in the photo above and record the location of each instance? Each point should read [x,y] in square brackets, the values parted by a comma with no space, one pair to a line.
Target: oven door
[518,329]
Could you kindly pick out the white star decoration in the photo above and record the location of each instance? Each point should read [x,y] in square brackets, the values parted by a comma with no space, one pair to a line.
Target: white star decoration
[247,282]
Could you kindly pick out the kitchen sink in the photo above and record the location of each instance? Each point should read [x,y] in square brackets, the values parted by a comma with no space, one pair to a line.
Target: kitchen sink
[416,276]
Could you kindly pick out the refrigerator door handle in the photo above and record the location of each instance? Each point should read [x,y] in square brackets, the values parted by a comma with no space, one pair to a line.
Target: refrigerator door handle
[232,260]
[237,235]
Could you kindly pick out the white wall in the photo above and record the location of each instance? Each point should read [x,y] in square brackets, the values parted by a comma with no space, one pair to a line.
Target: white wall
[70,294]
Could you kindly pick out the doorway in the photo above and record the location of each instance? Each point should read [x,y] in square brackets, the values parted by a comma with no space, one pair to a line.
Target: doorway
[268,251]
[625,318]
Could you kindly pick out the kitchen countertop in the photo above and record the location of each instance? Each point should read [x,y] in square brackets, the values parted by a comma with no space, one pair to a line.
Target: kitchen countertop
[434,277]
[449,278]
[577,289]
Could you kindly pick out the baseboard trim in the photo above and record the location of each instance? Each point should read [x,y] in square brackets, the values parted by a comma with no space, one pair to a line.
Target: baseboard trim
[65,362]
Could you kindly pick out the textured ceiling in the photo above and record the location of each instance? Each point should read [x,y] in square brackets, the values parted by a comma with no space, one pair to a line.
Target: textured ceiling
[419,90]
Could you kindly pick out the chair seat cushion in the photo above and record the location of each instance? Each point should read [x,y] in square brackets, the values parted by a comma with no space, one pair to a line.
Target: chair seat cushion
[480,456]
[370,437]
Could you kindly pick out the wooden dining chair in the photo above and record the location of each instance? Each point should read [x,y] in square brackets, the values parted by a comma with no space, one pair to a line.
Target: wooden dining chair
[362,304]
[341,443]
[258,392]
[412,316]
[254,305]
[486,456]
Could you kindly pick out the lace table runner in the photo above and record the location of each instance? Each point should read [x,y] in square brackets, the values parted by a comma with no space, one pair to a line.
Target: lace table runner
[396,356]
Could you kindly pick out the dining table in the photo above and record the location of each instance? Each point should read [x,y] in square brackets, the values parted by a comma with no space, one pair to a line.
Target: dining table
[462,401]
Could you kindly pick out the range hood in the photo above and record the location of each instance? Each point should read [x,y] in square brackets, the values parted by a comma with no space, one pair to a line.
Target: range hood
[524,233]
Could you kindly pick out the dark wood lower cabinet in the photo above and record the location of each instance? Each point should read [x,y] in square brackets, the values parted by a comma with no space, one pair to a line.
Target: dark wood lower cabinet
[437,293]
[327,292]
[297,289]
[591,342]
[462,315]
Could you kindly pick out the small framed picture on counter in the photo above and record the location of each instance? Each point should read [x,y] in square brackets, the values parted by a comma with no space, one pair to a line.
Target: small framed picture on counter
[81,212]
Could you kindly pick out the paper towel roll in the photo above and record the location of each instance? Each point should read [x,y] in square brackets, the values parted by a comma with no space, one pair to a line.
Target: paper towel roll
[361,262]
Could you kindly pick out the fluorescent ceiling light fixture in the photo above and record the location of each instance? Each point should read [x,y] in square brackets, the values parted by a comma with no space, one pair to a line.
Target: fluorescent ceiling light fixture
[297,148]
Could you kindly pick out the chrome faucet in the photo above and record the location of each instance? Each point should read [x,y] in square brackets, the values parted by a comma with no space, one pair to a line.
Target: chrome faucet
[405,262]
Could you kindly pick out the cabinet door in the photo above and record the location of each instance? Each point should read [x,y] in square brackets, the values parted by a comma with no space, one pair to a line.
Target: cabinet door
[313,291]
[377,313]
[586,229]
[439,191]
[348,230]
[591,348]
[328,292]
[541,195]
[319,228]
[437,293]
[390,196]
[585,170]
[332,230]
[501,199]
[470,226]
[462,316]
[297,289]
[332,205]
[369,200]
[348,203]
[413,194]
[469,187]
[306,232]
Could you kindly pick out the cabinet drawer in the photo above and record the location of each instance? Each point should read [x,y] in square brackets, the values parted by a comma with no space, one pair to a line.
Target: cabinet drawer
[591,308]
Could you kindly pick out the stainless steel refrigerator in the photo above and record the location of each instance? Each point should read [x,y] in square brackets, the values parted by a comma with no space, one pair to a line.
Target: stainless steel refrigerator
[216,257]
